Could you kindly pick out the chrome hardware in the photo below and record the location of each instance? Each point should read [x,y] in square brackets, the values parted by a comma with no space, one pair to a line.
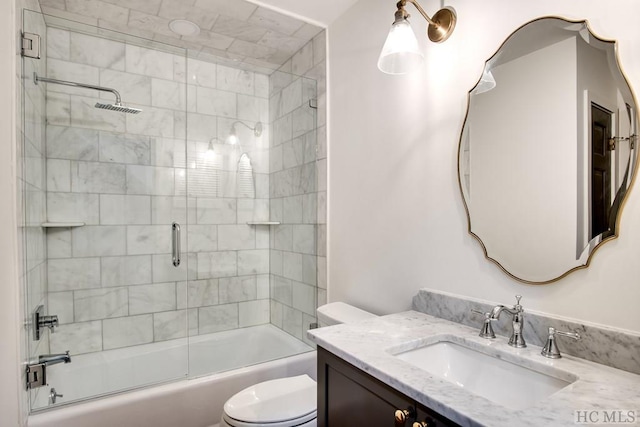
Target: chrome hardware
[54,359]
[487,330]
[175,243]
[313,103]
[36,375]
[53,396]
[551,349]
[402,415]
[41,321]
[314,325]
[30,45]
[517,313]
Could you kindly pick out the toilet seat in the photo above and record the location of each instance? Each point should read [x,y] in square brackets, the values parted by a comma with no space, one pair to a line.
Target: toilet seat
[284,402]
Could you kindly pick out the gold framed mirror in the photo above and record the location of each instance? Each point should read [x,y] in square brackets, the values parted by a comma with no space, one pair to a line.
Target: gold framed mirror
[548,150]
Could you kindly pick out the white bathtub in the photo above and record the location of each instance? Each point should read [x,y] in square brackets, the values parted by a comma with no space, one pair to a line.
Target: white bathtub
[188,403]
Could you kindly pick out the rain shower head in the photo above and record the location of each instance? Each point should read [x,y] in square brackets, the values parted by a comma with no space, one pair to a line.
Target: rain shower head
[118,107]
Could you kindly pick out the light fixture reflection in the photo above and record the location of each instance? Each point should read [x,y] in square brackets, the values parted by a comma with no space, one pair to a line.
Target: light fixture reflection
[486,83]
[401,53]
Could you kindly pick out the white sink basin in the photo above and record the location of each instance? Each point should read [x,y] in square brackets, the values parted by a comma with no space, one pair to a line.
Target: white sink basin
[497,380]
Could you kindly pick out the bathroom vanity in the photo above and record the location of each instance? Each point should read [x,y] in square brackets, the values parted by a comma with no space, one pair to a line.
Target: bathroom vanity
[375,371]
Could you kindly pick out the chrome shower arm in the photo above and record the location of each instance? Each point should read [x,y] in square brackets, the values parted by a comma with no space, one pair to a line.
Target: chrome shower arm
[37,79]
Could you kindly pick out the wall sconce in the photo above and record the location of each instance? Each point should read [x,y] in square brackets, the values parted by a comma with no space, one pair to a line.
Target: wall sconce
[233,133]
[401,53]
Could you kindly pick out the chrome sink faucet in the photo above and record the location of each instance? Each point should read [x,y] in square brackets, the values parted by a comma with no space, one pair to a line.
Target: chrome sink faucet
[517,314]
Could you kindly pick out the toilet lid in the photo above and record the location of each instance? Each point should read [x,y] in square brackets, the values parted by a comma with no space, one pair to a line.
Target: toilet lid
[274,401]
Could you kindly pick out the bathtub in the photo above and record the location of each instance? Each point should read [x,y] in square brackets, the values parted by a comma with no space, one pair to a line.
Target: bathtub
[195,402]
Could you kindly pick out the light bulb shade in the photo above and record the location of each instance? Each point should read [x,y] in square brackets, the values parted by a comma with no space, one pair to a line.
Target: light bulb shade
[401,53]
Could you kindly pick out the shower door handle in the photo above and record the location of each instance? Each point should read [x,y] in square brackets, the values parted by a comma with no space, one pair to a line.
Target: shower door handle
[175,243]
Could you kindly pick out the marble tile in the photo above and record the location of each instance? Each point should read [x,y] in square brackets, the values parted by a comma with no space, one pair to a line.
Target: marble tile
[72,207]
[322,272]
[275,21]
[236,237]
[252,50]
[58,175]
[307,31]
[148,62]
[276,40]
[153,298]
[72,143]
[309,270]
[302,61]
[169,325]
[58,44]
[276,313]
[124,210]
[253,262]
[163,269]
[201,73]
[102,240]
[148,239]
[61,305]
[282,130]
[307,320]
[123,148]
[90,177]
[303,120]
[96,304]
[304,239]
[263,240]
[240,10]
[203,238]
[253,210]
[59,243]
[292,321]
[73,274]
[252,313]
[168,94]
[152,23]
[238,29]
[262,286]
[209,39]
[217,264]
[217,318]
[148,6]
[293,153]
[292,266]
[291,98]
[125,270]
[58,109]
[200,293]
[201,127]
[216,211]
[321,245]
[262,185]
[77,338]
[253,109]
[304,298]
[98,9]
[261,85]
[134,88]
[127,331]
[236,289]
[216,102]
[85,115]
[167,152]
[149,180]
[283,237]
[275,262]
[319,48]
[169,209]
[95,51]
[153,122]
[235,80]
[310,208]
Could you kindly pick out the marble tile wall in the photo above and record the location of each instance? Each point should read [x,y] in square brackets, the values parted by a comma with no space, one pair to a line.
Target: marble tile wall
[31,191]
[298,189]
[128,177]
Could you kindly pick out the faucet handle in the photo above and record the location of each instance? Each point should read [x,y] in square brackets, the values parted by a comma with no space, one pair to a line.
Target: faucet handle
[487,329]
[551,349]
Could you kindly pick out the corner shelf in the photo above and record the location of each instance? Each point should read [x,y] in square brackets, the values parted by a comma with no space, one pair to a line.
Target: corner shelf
[62,224]
[263,222]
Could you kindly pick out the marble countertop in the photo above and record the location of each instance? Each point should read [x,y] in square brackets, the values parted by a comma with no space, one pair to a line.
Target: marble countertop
[370,345]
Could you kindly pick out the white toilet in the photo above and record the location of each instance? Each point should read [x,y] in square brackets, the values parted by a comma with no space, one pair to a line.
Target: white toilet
[285,402]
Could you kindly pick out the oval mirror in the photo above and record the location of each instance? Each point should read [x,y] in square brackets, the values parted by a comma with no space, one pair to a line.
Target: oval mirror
[548,150]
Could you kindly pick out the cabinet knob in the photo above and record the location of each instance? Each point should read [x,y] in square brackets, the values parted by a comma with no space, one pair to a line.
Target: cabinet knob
[402,415]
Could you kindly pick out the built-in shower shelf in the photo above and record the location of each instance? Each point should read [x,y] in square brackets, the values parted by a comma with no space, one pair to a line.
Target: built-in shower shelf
[62,224]
[263,222]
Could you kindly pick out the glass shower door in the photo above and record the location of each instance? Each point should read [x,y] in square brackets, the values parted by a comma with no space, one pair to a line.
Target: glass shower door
[103,188]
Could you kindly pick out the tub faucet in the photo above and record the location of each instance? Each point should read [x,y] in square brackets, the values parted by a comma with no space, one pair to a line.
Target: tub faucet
[54,359]
[517,314]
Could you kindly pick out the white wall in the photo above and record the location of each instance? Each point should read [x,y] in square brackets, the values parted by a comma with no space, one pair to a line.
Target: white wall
[396,218]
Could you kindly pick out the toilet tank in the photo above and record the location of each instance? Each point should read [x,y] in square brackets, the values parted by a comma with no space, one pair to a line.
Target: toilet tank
[338,312]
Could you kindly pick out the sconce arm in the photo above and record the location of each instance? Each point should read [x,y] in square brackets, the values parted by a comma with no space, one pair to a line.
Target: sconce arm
[420,9]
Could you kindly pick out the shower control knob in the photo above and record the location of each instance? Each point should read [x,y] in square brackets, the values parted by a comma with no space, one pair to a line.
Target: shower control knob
[402,415]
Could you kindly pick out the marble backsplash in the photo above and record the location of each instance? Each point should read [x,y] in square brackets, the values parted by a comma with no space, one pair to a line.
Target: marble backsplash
[608,346]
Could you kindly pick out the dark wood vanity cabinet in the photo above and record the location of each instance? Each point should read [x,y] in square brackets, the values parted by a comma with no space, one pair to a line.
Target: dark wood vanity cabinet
[348,396]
